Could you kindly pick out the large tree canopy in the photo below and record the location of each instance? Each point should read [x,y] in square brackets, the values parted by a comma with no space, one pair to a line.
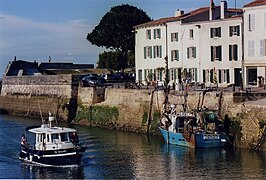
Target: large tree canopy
[115,30]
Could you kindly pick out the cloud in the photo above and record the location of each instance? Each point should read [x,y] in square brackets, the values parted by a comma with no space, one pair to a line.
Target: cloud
[33,40]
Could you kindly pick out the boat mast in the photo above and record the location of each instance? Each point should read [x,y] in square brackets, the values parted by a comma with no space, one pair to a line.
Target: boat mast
[40,112]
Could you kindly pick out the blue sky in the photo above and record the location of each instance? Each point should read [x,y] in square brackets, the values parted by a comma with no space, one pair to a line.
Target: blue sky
[36,29]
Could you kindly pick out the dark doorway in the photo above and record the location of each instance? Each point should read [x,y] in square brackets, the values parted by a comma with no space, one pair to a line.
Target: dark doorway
[238,76]
[179,74]
[252,76]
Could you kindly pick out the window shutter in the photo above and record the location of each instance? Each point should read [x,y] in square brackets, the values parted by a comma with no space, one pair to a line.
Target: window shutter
[176,36]
[220,32]
[219,49]
[154,51]
[150,52]
[154,33]
[204,76]
[211,76]
[220,76]
[145,51]
[159,33]
[172,55]
[228,76]
[212,48]
[211,30]
[230,52]
[230,31]
[238,30]
[235,52]
[160,50]
[177,55]
[196,75]
[188,52]
[194,55]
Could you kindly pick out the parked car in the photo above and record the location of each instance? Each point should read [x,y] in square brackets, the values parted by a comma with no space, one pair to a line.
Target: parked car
[107,77]
[91,81]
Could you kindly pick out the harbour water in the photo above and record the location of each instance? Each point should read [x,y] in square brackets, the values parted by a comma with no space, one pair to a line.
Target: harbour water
[120,155]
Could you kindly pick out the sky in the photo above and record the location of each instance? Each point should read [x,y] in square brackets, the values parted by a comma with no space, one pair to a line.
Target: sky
[36,29]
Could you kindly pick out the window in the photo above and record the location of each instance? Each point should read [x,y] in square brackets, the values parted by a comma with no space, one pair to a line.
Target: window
[157,33]
[224,76]
[140,75]
[191,34]
[147,52]
[251,22]
[233,52]
[216,53]
[263,47]
[192,72]
[157,51]
[64,136]
[54,137]
[191,52]
[234,31]
[215,32]
[251,48]
[148,34]
[174,55]
[174,37]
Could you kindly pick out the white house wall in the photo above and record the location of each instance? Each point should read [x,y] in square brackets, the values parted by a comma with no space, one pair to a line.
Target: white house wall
[256,61]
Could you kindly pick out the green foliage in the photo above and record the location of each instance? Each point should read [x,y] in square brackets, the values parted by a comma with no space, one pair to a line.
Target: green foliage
[115,30]
[97,114]
[236,128]
[110,60]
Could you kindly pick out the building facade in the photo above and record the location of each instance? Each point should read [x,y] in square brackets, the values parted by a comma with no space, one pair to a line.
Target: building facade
[203,46]
[255,43]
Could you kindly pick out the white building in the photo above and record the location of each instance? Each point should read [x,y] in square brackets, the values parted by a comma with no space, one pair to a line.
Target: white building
[255,42]
[202,46]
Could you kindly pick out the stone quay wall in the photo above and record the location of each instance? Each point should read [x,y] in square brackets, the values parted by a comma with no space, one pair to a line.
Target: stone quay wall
[52,85]
[134,107]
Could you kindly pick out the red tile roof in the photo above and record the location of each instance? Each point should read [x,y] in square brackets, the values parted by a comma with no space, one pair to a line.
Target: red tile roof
[182,17]
[169,19]
[256,3]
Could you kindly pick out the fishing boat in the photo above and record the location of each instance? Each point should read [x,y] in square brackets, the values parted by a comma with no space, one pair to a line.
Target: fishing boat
[201,128]
[51,145]
[192,130]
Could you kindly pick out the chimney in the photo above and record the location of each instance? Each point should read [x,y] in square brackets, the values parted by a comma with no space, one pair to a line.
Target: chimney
[178,13]
[212,6]
[223,9]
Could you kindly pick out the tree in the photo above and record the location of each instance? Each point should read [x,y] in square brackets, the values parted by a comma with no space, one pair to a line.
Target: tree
[115,30]
[110,60]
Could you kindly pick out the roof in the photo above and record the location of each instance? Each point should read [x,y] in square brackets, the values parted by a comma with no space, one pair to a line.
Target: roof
[256,3]
[44,129]
[184,16]
[173,18]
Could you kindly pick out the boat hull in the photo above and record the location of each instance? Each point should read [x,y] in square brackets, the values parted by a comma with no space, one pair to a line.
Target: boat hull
[60,157]
[197,140]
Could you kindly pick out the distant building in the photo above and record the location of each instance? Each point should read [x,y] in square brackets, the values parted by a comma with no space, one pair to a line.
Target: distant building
[255,42]
[25,68]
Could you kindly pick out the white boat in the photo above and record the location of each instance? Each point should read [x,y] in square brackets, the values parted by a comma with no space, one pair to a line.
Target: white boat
[51,145]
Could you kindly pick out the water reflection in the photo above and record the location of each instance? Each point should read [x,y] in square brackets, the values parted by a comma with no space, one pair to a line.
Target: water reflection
[119,155]
[38,172]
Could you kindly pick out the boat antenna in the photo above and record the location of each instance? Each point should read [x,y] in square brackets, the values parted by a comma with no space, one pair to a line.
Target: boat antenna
[40,112]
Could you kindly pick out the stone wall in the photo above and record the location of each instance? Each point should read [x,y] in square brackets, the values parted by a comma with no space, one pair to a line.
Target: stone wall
[52,85]
[133,107]
[32,106]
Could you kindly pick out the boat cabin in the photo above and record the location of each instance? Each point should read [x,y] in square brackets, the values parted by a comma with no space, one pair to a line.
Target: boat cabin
[52,138]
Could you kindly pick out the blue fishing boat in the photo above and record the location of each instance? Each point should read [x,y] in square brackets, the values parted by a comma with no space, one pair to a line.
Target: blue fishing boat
[194,130]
